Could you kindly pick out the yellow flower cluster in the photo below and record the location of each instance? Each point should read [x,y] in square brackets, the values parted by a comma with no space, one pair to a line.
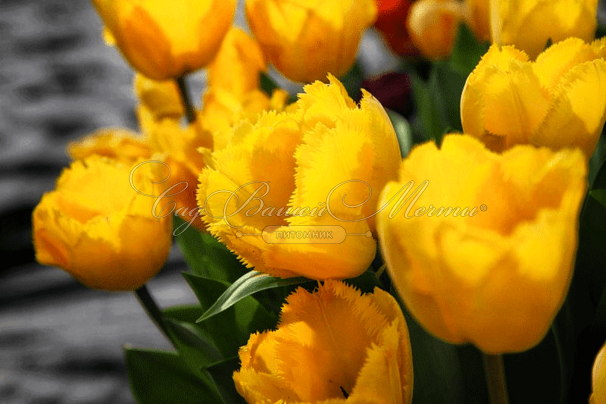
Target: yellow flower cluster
[479,234]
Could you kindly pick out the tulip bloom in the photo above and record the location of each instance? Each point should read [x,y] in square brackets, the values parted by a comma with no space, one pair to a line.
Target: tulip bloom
[100,229]
[305,40]
[598,379]
[433,26]
[163,39]
[314,169]
[332,346]
[530,24]
[484,252]
[558,101]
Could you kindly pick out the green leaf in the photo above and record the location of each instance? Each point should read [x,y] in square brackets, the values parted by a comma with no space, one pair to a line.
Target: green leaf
[403,131]
[429,122]
[206,256]
[247,285]
[222,375]
[366,282]
[352,81]
[194,344]
[160,377]
[231,328]
[535,375]
[188,313]
[443,373]
[599,195]
[467,51]
[268,85]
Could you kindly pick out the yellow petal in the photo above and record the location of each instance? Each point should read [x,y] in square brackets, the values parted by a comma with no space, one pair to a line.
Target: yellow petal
[307,40]
[578,110]
[238,64]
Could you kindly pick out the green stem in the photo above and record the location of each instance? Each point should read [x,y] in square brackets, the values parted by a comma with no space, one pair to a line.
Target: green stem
[153,311]
[187,104]
[495,378]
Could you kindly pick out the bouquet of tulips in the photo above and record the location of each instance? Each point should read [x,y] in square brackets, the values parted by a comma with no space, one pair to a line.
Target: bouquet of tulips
[340,251]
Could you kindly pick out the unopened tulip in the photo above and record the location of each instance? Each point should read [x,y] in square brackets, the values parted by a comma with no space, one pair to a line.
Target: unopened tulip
[305,40]
[433,26]
[167,39]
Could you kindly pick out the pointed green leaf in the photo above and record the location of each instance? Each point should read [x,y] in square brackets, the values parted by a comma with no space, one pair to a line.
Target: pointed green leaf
[403,131]
[205,255]
[231,328]
[222,375]
[467,51]
[247,285]
[161,377]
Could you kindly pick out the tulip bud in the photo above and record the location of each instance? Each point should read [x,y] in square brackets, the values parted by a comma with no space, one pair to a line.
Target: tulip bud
[480,246]
[100,227]
[167,39]
[433,26]
[306,40]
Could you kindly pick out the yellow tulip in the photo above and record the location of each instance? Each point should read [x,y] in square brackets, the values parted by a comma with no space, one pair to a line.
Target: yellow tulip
[530,24]
[598,379]
[233,86]
[116,143]
[477,15]
[331,346]
[433,26]
[318,145]
[238,64]
[495,268]
[161,99]
[167,39]
[184,150]
[305,39]
[558,101]
[99,229]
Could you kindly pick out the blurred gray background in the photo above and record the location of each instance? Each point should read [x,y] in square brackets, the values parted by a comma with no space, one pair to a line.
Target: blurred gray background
[59,341]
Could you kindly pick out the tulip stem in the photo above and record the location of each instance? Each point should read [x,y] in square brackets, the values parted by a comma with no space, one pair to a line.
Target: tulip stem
[185,98]
[495,378]
[153,311]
